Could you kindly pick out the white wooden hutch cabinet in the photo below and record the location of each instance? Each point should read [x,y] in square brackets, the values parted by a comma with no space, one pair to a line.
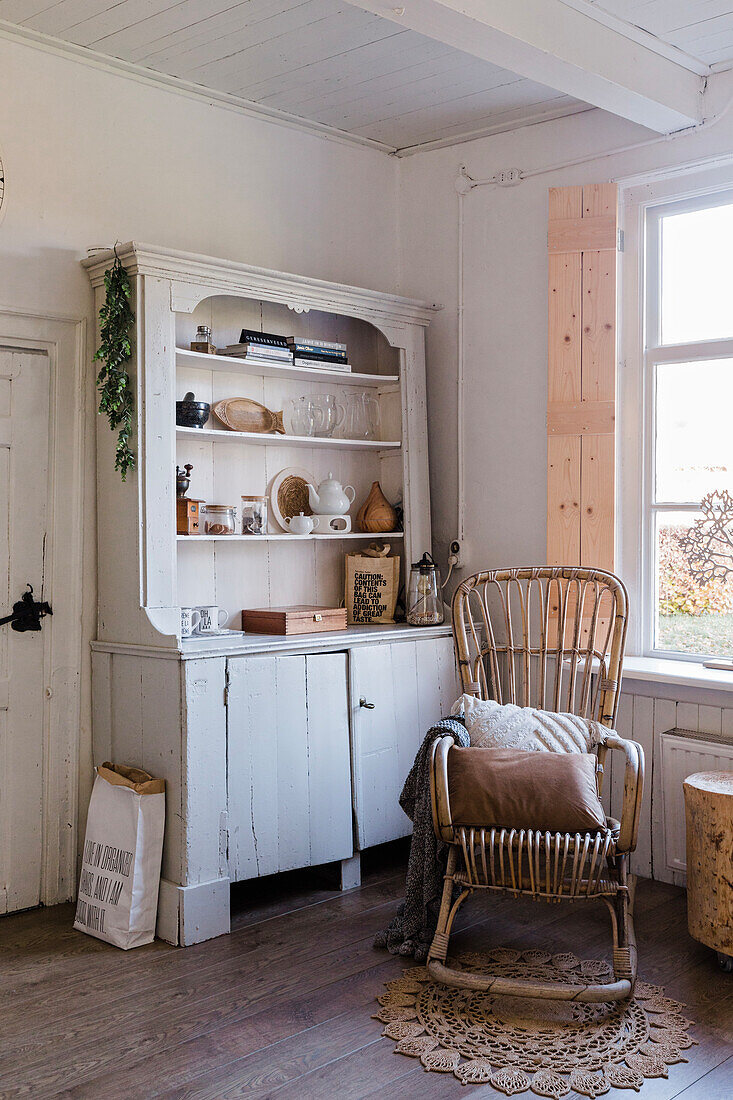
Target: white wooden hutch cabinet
[271,758]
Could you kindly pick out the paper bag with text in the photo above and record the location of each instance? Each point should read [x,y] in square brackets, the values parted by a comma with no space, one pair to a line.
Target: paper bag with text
[372,585]
[120,871]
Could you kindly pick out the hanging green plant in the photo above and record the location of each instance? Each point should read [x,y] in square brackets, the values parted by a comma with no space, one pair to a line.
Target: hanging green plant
[116,399]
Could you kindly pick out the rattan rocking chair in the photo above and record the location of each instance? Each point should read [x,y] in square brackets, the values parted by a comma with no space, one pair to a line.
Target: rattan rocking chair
[551,638]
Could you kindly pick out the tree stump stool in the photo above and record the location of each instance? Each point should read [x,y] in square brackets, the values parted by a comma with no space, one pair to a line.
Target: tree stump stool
[709,820]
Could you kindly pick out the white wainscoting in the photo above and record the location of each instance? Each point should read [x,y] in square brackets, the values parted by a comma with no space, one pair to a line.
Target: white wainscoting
[645,717]
[685,753]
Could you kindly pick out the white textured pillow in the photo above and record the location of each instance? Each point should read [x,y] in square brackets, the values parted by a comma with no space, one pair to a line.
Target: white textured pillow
[497,725]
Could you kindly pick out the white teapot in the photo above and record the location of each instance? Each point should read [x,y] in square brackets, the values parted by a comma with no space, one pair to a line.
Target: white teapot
[331,498]
[300,525]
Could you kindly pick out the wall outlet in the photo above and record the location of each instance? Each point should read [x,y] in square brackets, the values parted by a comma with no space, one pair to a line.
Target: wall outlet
[508,177]
[454,555]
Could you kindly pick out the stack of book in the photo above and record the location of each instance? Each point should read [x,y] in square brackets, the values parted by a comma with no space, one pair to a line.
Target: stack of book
[258,346]
[318,353]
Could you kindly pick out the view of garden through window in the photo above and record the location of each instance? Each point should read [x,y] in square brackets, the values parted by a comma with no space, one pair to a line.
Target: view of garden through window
[692,491]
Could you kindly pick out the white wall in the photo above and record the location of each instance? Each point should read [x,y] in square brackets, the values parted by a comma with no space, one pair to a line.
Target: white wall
[92,157]
[505,314]
[505,390]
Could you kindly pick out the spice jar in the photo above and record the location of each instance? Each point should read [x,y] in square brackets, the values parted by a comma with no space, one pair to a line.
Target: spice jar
[202,341]
[254,515]
[424,597]
[220,519]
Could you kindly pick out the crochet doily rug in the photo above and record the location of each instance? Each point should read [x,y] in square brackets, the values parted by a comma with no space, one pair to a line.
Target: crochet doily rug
[521,1044]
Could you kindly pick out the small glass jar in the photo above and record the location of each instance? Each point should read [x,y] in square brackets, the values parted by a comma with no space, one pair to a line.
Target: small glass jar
[254,515]
[202,341]
[220,519]
[424,594]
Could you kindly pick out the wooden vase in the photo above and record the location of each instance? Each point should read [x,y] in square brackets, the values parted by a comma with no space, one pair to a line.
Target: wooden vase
[376,513]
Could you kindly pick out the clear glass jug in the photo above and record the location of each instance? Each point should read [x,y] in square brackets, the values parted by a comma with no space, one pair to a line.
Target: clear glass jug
[362,416]
[424,594]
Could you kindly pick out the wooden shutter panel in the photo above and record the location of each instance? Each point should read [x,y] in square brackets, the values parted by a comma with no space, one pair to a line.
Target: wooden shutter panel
[582,242]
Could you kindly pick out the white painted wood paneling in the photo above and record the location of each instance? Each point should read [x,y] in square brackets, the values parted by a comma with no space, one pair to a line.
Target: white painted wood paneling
[702,28]
[288,763]
[24,673]
[665,711]
[643,732]
[327,62]
[662,827]
[137,721]
[683,756]
[412,685]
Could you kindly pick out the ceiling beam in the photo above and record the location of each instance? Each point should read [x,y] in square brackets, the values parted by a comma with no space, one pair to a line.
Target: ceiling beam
[565,48]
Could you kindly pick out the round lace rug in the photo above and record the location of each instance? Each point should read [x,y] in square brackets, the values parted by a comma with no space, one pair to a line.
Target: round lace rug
[521,1044]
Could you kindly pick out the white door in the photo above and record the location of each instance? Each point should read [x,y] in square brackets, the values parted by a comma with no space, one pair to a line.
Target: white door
[288,767]
[24,550]
[406,687]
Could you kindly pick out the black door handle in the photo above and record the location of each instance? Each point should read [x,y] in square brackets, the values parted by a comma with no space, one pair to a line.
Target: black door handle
[27,613]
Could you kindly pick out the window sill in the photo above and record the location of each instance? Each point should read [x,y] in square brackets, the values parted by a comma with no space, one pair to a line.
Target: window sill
[689,674]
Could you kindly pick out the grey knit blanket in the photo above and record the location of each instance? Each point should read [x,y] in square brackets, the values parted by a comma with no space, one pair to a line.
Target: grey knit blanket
[412,929]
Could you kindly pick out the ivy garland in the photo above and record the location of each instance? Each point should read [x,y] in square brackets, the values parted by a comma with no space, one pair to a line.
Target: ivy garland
[116,398]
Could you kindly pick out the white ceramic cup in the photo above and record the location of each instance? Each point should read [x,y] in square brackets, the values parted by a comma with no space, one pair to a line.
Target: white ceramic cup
[211,619]
[190,619]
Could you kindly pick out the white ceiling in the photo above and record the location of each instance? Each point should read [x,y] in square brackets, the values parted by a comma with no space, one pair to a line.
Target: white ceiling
[337,65]
[702,28]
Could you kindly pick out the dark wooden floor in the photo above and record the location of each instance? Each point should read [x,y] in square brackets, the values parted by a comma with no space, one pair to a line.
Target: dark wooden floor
[282,1007]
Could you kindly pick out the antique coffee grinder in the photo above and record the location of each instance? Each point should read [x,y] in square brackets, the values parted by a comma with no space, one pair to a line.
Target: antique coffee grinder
[188,512]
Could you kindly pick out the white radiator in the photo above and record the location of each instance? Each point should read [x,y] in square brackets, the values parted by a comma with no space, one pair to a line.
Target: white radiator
[685,752]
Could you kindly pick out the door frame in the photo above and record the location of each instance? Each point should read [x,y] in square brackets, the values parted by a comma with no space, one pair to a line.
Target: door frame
[63,339]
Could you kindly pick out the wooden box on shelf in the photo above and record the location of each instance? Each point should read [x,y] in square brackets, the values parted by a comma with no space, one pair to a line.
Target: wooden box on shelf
[298,619]
[188,516]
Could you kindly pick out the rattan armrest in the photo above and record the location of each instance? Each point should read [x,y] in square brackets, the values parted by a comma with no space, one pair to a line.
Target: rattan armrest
[439,799]
[633,790]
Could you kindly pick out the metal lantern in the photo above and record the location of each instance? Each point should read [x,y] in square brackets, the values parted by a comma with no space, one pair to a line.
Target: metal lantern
[424,594]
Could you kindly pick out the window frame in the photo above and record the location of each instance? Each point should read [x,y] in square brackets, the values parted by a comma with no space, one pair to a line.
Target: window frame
[654,354]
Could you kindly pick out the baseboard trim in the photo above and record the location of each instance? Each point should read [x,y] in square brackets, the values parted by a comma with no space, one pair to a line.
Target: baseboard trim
[192,914]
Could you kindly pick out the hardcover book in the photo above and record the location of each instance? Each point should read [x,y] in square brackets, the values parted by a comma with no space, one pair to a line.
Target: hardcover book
[324,344]
[321,357]
[321,353]
[257,351]
[251,336]
[336,366]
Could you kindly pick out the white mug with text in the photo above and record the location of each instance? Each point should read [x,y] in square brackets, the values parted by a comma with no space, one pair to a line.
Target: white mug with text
[211,619]
[190,619]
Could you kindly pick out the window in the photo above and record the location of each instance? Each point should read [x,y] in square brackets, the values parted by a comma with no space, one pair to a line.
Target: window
[688,537]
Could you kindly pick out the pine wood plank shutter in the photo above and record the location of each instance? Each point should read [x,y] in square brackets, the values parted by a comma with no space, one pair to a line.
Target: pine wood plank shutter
[582,243]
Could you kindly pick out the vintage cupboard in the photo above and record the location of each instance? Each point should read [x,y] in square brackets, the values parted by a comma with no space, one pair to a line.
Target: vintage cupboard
[278,752]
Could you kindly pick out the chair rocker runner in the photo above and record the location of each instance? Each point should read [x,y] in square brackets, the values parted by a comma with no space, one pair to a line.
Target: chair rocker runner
[550,638]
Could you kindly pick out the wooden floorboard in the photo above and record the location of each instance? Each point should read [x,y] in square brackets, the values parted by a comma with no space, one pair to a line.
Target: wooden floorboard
[282,1007]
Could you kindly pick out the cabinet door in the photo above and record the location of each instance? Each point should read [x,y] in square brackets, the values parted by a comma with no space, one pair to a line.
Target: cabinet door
[288,763]
[412,685]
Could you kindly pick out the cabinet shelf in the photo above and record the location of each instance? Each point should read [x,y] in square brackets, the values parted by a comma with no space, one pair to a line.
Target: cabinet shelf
[216,435]
[265,369]
[380,537]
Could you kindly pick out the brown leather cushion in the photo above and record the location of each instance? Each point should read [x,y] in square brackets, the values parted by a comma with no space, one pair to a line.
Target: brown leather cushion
[524,790]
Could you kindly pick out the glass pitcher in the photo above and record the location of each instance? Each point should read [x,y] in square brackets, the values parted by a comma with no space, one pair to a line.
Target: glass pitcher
[328,413]
[362,416]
